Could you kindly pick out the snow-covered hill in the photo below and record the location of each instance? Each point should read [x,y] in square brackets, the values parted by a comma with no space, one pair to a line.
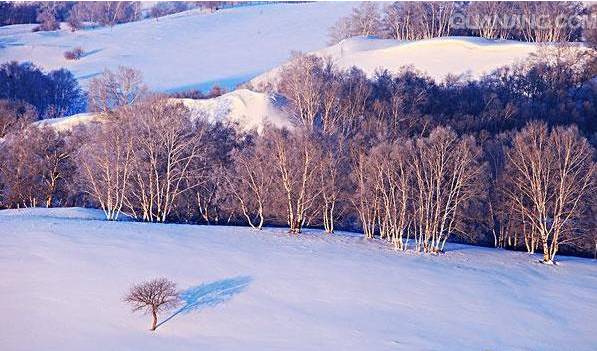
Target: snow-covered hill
[192,49]
[64,274]
[439,57]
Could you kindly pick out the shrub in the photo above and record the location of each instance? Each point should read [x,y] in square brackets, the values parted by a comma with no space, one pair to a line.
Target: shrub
[74,54]
[47,20]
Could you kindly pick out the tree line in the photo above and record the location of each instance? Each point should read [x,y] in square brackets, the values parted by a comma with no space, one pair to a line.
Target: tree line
[47,95]
[541,21]
[78,14]
[507,161]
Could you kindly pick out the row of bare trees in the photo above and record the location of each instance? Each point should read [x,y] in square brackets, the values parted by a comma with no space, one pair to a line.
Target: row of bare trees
[548,181]
[366,153]
[418,188]
[154,163]
[142,159]
[542,21]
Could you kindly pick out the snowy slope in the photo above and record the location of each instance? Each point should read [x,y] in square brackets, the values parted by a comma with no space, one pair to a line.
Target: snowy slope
[436,57]
[187,50]
[69,122]
[244,108]
[63,280]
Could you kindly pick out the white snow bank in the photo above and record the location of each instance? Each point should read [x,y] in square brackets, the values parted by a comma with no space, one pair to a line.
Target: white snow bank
[437,57]
[186,50]
[245,108]
[61,212]
[63,281]
[69,122]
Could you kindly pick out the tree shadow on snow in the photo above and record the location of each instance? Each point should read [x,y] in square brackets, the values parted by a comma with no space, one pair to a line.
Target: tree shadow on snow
[209,294]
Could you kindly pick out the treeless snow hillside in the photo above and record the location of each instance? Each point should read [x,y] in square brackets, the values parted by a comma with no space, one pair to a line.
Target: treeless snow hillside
[437,57]
[191,49]
[64,274]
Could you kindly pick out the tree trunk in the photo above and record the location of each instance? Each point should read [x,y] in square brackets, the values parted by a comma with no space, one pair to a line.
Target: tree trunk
[154,323]
[546,253]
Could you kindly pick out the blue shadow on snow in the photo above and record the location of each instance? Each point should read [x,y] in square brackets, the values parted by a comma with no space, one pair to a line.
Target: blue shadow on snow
[209,294]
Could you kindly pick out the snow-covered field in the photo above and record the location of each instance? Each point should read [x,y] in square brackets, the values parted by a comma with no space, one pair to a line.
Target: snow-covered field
[192,49]
[195,49]
[69,122]
[64,272]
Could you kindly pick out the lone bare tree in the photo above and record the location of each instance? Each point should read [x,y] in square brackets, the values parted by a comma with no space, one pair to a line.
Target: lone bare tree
[153,297]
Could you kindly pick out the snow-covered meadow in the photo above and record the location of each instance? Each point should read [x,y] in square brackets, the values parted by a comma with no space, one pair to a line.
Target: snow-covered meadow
[65,271]
[196,49]
[188,50]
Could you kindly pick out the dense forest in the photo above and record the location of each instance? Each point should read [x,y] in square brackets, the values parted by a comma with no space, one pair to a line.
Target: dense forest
[507,160]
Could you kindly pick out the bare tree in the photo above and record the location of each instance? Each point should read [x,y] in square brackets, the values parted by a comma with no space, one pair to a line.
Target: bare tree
[14,116]
[542,20]
[487,18]
[392,177]
[296,159]
[250,182]
[167,144]
[364,20]
[549,174]
[105,13]
[154,296]
[210,172]
[47,19]
[112,89]
[446,171]
[301,83]
[106,163]
[405,20]
[365,199]
[355,96]
[333,173]
[35,166]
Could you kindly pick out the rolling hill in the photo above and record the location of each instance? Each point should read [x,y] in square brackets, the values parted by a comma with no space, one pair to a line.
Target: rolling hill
[65,271]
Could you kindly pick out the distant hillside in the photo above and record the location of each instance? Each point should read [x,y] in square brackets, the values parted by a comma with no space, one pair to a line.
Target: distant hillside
[439,57]
[191,49]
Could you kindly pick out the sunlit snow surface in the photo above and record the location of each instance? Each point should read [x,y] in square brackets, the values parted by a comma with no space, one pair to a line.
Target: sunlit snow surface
[467,57]
[192,49]
[64,272]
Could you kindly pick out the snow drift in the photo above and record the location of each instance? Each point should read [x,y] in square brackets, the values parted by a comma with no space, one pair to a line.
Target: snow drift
[245,108]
